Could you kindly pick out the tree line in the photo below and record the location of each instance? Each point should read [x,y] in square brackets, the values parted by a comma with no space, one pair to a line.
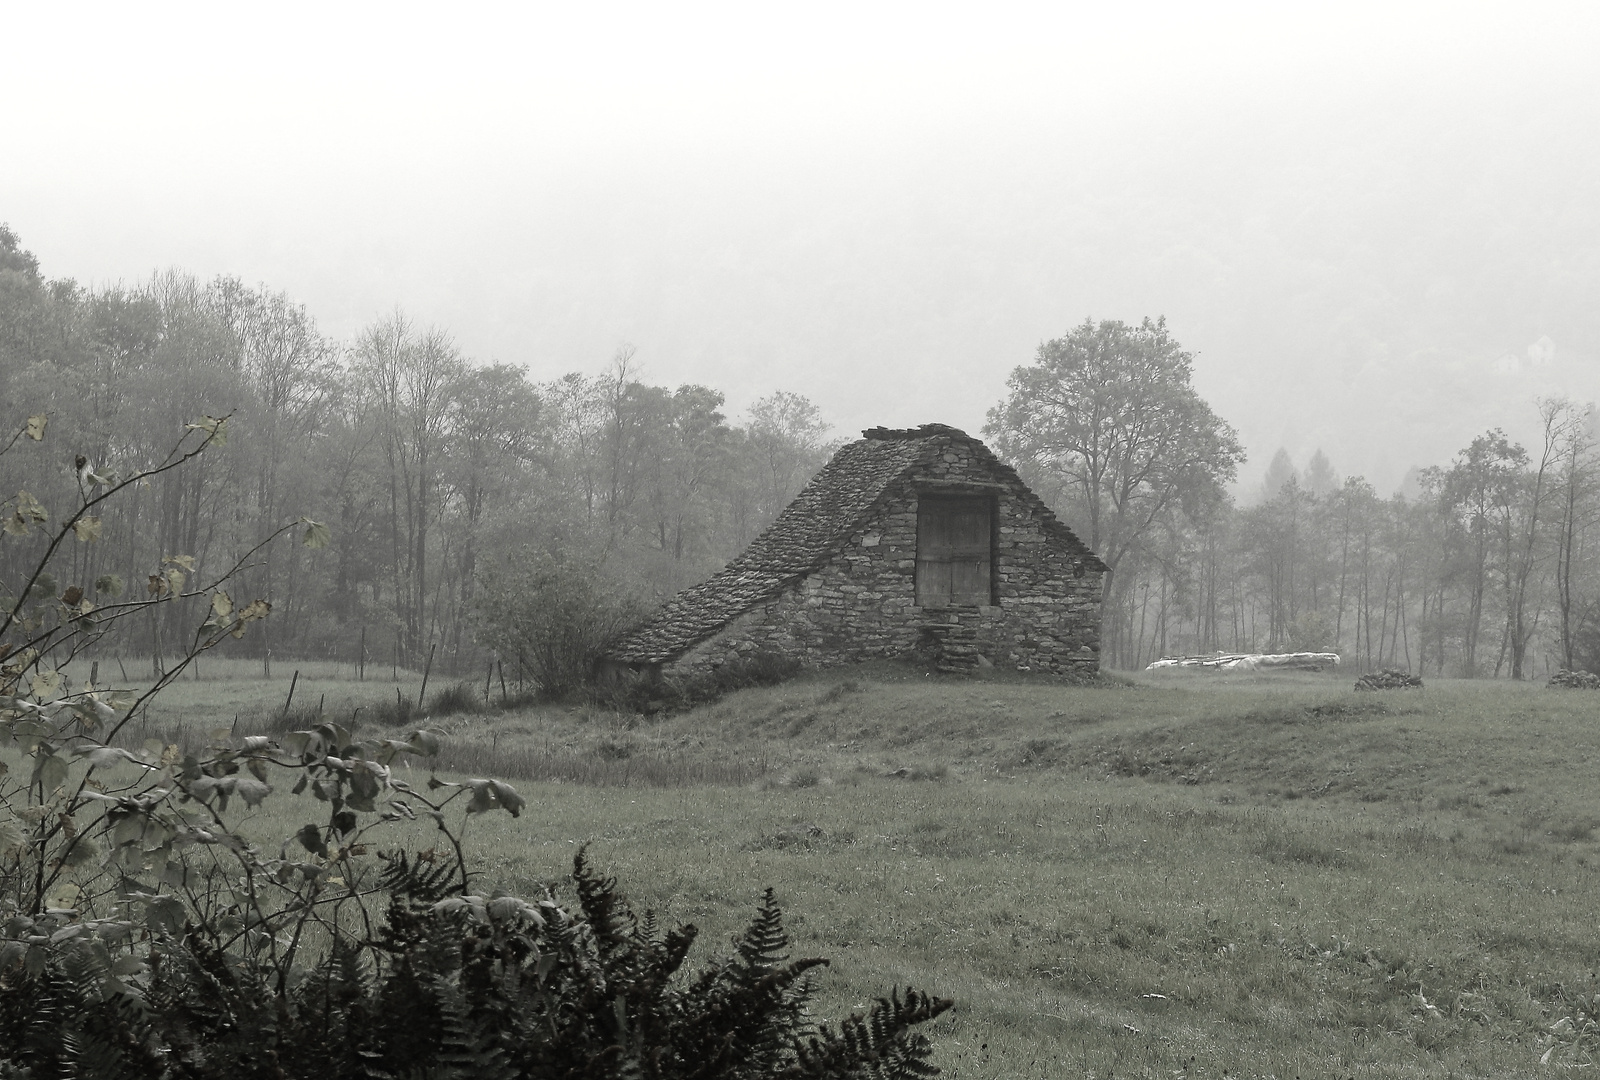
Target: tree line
[440,480]
[1487,566]
[429,470]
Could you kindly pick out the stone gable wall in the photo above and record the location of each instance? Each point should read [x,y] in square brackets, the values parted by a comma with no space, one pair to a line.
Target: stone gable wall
[861,604]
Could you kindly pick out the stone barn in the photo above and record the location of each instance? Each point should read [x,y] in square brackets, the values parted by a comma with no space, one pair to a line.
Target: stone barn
[914,543]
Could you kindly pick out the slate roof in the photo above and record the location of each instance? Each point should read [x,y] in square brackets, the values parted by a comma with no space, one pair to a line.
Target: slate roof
[808,532]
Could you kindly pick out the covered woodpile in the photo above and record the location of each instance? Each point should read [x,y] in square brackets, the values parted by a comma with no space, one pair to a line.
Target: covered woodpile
[1389,679]
[1576,680]
[1302,661]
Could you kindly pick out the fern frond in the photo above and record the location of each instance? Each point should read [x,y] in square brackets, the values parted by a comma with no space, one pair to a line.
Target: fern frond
[466,1046]
[762,944]
[85,968]
[880,1046]
[418,882]
[92,1052]
[607,913]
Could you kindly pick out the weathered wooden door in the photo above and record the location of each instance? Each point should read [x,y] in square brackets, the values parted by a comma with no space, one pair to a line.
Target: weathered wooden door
[954,550]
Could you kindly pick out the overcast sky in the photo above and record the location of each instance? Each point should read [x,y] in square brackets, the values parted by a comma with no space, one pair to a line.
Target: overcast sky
[1378,226]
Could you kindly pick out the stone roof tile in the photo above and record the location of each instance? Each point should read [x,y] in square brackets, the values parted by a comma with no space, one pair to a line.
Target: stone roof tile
[808,531]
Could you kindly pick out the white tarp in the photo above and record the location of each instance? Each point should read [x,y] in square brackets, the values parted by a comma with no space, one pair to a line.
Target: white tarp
[1248,661]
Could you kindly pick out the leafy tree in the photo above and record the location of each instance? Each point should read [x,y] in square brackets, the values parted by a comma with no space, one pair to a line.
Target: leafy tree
[411,379]
[1107,420]
[1107,428]
[1479,491]
[788,440]
[1273,536]
[495,440]
[1530,520]
[14,258]
[1577,485]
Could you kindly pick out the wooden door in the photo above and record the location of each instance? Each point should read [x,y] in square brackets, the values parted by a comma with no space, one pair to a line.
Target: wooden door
[954,550]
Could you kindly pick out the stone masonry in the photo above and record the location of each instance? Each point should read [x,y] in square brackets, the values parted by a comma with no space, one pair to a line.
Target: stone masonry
[838,585]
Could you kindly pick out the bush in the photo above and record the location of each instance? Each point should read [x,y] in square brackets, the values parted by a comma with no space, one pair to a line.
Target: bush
[554,615]
[455,699]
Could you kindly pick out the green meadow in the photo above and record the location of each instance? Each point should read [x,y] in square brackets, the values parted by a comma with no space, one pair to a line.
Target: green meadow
[1195,876]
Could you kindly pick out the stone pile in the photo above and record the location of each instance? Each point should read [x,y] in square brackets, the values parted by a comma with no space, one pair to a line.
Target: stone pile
[1576,680]
[1389,679]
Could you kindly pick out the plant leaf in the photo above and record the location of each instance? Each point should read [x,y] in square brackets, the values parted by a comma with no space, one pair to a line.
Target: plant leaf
[508,798]
[87,529]
[251,791]
[310,838]
[84,850]
[316,534]
[256,609]
[36,425]
[215,428]
[50,772]
[28,512]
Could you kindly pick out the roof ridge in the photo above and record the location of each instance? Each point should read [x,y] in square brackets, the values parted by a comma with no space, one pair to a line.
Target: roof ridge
[922,431]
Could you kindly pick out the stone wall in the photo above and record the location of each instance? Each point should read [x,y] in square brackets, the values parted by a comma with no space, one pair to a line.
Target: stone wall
[861,604]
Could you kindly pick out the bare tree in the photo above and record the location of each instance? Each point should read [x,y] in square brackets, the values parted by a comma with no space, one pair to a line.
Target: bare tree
[410,379]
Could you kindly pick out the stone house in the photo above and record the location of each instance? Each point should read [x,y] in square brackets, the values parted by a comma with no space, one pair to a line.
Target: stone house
[909,543]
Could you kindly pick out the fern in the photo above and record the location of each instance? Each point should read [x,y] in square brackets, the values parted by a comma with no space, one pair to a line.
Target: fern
[880,1047]
[450,986]
[609,919]
[419,881]
[762,944]
[466,1048]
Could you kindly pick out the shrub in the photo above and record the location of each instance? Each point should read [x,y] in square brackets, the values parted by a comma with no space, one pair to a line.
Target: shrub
[554,614]
[455,699]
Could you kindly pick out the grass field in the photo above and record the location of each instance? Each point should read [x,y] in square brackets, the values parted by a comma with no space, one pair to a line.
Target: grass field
[1189,877]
